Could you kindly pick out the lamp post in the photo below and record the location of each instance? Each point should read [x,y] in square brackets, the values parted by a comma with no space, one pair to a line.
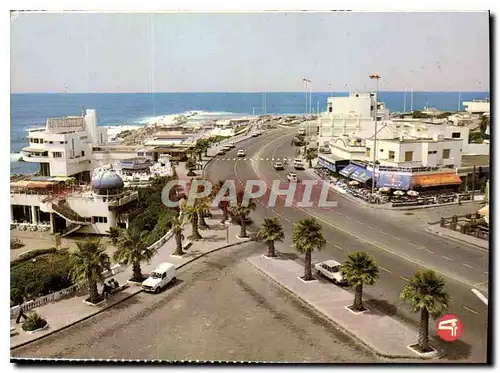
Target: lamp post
[305,91]
[375,76]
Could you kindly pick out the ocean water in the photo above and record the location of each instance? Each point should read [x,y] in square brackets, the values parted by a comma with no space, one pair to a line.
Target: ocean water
[32,110]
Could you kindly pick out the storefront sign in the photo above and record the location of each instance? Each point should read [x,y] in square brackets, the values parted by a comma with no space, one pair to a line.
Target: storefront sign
[401,181]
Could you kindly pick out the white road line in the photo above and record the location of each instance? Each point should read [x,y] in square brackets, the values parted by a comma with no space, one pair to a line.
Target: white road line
[359,222]
[404,278]
[371,227]
[480,283]
[397,238]
[429,251]
[480,295]
[385,233]
[262,159]
[287,219]
[244,159]
[272,159]
[470,310]
[413,244]
[338,247]
[338,213]
[383,269]
[348,218]
[467,265]
[447,258]
[267,159]
[235,159]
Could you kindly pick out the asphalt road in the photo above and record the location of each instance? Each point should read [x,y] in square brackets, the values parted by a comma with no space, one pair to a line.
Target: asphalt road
[398,247]
[221,309]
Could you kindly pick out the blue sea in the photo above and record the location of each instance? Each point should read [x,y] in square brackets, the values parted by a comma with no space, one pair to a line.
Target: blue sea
[32,110]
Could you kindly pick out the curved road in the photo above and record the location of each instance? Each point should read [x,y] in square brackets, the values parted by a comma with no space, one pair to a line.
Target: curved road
[399,247]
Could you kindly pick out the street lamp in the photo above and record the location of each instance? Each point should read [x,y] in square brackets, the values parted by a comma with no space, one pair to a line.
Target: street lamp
[375,76]
[305,90]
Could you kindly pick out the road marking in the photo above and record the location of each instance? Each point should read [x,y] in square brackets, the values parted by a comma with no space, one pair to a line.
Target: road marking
[371,227]
[385,233]
[471,310]
[404,278]
[338,247]
[262,159]
[413,244]
[480,283]
[287,219]
[447,258]
[486,273]
[397,238]
[272,159]
[235,159]
[359,222]
[348,218]
[267,159]
[467,265]
[480,295]
[429,251]
[383,269]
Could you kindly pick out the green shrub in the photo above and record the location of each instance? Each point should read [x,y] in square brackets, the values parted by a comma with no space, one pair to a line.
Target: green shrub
[16,243]
[40,275]
[32,254]
[33,322]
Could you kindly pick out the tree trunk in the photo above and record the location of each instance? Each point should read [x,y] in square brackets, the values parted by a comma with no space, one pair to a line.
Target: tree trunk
[206,152]
[225,215]
[194,224]
[243,229]
[307,267]
[310,163]
[136,269]
[203,224]
[199,156]
[270,252]
[423,334]
[358,298]
[93,292]
[178,244]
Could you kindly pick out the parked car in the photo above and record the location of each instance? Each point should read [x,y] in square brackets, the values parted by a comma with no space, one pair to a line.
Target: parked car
[331,270]
[241,153]
[278,166]
[231,145]
[159,278]
[221,151]
[226,148]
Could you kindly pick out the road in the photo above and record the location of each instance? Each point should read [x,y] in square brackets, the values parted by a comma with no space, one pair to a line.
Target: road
[399,248]
[221,309]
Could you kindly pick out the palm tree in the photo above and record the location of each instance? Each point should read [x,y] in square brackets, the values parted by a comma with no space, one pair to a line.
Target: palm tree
[203,144]
[133,249]
[426,294]
[223,205]
[359,269]
[178,229]
[310,155]
[270,232]
[192,214]
[191,166]
[203,206]
[88,262]
[307,236]
[114,234]
[242,211]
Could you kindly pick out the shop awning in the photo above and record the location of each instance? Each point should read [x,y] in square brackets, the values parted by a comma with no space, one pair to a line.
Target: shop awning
[436,180]
[361,174]
[329,165]
[348,170]
[394,180]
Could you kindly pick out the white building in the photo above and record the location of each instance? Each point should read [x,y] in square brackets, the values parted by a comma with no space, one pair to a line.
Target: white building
[355,113]
[63,208]
[64,146]
[477,106]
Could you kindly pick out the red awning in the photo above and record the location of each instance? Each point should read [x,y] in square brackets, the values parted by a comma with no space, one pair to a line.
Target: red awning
[436,180]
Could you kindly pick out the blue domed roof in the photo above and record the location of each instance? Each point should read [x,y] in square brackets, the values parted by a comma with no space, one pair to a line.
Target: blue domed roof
[107,179]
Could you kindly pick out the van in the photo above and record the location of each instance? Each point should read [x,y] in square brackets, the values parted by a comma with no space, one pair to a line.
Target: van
[301,131]
[159,278]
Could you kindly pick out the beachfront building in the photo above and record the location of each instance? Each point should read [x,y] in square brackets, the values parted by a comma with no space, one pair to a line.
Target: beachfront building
[477,106]
[174,143]
[59,205]
[345,115]
[64,146]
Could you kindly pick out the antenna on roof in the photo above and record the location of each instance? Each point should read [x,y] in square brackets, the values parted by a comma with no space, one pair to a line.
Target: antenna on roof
[83,111]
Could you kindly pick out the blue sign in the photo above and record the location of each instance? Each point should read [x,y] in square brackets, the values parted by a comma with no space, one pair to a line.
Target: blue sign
[324,163]
[394,180]
[348,170]
[361,174]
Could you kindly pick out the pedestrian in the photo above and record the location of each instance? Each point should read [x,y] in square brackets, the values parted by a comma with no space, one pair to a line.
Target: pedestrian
[111,284]
[117,285]
[106,291]
[21,314]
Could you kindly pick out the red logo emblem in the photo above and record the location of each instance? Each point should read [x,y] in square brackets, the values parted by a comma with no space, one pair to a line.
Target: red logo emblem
[449,327]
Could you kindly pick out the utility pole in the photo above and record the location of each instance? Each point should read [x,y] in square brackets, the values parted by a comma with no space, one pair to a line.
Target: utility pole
[411,107]
[375,76]
[458,107]
[404,103]
[473,181]
[305,91]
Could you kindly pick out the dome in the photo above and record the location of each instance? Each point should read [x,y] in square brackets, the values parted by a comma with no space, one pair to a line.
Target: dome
[107,179]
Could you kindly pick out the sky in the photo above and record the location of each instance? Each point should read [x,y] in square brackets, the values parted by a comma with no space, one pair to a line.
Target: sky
[248,52]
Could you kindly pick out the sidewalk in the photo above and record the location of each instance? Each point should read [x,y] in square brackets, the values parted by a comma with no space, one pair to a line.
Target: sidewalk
[71,310]
[457,236]
[384,335]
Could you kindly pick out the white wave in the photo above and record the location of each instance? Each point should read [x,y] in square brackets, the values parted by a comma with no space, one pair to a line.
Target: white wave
[191,116]
[15,157]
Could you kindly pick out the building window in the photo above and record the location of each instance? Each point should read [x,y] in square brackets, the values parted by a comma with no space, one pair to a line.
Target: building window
[381,150]
[371,108]
[455,135]
[392,155]
[432,152]
[83,138]
[408,156]
[379,118]
[100,219]
[57,154]
[330,109]
[83,153]
[368,151]
[49,142]
[446,153]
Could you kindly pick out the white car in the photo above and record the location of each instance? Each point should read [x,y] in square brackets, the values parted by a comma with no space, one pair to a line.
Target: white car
[231,145]
[331,270]
[159,278]
[278,166]
[297,163]
[291,176]
[221,152]
[241,153]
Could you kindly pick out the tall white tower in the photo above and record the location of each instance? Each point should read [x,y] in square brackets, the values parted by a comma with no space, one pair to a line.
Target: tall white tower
[90,123]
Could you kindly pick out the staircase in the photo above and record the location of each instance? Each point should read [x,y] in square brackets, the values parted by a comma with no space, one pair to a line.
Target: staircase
[65,212]
[72,227]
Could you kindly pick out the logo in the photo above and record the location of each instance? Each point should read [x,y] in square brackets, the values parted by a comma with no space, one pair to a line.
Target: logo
[449,327]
